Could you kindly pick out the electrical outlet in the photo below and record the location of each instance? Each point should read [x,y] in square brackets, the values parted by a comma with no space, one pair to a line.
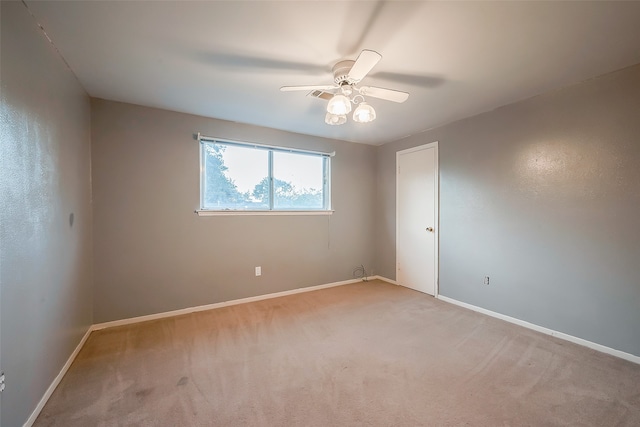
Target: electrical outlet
[2,382]
[258,271]
[486,280]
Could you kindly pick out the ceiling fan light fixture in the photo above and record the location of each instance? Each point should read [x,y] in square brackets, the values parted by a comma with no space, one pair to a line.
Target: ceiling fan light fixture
[364,113]
[335,119]
[345,91]
[339,105]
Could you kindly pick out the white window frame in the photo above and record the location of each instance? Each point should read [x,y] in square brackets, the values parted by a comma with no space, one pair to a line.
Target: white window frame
[326,193]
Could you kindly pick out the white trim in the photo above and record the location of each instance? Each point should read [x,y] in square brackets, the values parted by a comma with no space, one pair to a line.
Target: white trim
[436,209]
[213,306]
[384,279]
[56,380]
[215,140]
[418,148]
[201,212]
[592,345]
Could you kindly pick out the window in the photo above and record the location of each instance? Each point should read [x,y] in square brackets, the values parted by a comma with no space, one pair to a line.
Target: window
[238,176]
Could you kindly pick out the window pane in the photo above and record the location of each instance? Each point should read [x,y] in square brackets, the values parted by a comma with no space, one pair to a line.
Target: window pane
[235,177]
[298,181]
[239,177]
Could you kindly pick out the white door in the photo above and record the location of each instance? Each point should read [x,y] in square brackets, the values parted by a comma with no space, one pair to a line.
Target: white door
[417,218]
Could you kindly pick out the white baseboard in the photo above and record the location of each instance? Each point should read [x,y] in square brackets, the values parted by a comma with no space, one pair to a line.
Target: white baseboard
[56,380]
[188,310]
[384,279]
[592,345]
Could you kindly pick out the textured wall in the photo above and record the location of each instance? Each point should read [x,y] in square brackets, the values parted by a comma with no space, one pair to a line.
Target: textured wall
[543,196]
[45,261]
[153,254]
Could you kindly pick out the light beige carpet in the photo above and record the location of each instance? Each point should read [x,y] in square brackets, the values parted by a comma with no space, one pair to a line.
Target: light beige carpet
[369,354]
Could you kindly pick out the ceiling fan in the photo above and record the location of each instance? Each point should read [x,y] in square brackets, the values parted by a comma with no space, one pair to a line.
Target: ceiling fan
[345,90]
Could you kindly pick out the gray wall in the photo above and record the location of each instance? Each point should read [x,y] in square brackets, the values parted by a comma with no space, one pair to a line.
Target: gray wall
[153,254]
[45,263]
[543,196]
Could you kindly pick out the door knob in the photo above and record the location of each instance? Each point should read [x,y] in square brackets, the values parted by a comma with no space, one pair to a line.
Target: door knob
[430,229]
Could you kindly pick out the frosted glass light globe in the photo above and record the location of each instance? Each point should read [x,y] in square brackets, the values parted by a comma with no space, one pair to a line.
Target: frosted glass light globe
[339,105]
[364,113]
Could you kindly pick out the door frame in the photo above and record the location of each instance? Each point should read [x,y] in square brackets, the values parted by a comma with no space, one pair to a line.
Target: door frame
[436,201]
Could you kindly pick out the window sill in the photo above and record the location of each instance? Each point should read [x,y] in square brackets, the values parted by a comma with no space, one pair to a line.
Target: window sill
[246,213]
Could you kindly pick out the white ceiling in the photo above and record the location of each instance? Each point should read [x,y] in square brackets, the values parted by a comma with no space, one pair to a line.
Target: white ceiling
[228,59]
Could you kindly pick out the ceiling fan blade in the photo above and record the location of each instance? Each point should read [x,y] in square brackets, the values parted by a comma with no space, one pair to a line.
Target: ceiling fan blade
[308,88]
[387,94]
[365,63]
[321,94]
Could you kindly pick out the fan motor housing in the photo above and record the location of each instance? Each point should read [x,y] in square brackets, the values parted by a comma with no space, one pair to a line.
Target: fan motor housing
[341,73]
